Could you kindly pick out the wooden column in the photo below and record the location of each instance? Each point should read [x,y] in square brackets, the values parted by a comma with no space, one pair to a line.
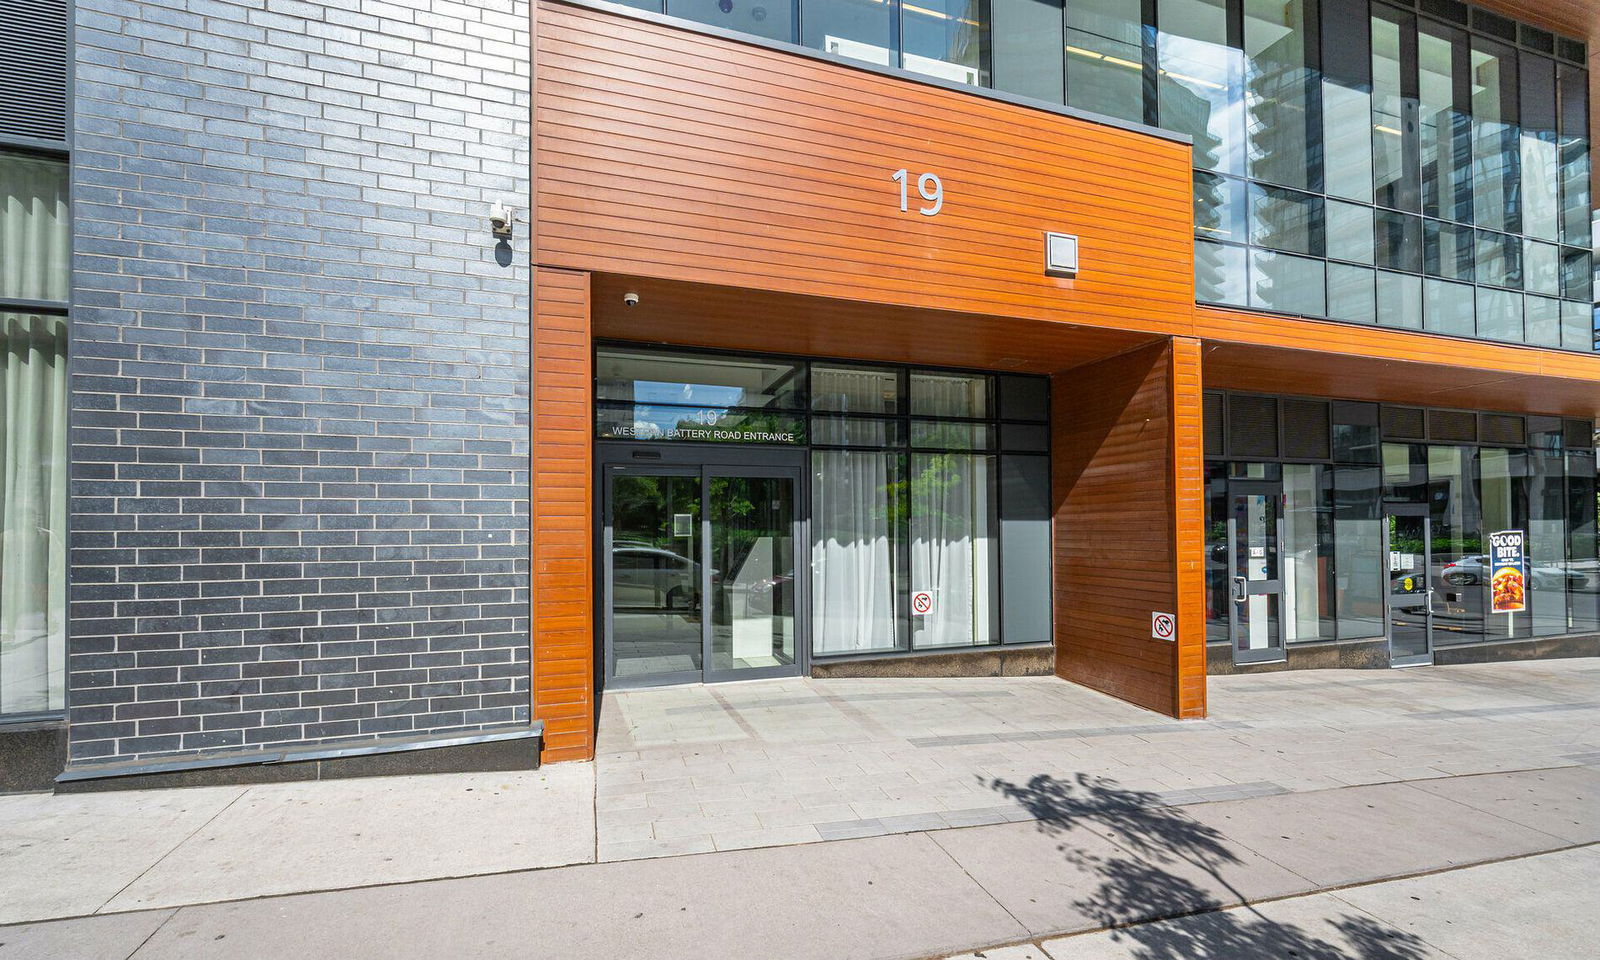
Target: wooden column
[562,510]
[1189,525]
[1128,477]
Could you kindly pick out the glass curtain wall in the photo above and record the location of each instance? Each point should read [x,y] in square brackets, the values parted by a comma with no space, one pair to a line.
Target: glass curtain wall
[1331,531]
[34,280]
[930,509]
[929,492]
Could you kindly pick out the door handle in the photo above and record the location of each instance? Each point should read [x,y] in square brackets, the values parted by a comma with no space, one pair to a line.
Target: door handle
[1240,590]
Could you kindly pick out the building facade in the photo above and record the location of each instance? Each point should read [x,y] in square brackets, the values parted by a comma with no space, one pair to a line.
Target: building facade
[387,379]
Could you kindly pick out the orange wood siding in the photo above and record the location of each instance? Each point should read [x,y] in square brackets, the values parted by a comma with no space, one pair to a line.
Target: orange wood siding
[671,154]
[1256,351]
[1188,524]
[563,515]
[1115,514]
[668,156]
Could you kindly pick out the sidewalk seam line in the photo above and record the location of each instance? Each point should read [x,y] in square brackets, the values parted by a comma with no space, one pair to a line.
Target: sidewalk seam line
[1431,945]
[1333,890]
[173,849]
[975,882]
[159,927]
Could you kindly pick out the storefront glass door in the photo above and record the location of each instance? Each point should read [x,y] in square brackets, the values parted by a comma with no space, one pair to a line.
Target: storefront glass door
[1254,563]
[1412,593]
[751,519]
[700,572]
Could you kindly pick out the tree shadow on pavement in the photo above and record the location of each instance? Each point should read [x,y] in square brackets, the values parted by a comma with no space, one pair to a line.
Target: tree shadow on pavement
[1161,854]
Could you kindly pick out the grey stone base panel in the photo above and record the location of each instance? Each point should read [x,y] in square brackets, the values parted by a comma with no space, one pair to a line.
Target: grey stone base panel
[1374,654]
[1341,655]
[1541,648]
[1030,661]
[515,749]
[31,754]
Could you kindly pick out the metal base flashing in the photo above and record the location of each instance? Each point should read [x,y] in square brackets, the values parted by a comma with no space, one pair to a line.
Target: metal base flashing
[497,749]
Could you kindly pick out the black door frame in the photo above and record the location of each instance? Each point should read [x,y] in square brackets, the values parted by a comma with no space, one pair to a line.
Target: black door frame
[702,460]
[1424,512]
[1240,589]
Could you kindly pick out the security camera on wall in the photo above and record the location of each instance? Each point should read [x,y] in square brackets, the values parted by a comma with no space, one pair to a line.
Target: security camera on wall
[500,221]
[630,299]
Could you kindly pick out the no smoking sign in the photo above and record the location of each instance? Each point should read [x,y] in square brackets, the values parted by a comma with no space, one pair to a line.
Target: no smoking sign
[1163,626]
[922,603]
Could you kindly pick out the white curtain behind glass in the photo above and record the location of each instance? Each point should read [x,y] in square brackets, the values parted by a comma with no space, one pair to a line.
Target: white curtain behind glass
[33,507]
[845,390]
[853,557]
[952,548]
[34,246]
[949,395]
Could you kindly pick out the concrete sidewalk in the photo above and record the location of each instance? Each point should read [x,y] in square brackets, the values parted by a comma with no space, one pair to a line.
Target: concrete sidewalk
[1098,854]
[743,766]
[1539,906]
[79,854]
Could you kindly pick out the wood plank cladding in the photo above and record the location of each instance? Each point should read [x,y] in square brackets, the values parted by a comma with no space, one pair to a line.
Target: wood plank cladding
[1115,490]
[729,318]
[1262,352]
[563,515]
[667,153]
[1186,409]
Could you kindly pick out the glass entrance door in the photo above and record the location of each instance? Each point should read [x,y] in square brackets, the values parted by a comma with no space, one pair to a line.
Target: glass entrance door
[1255,566]
[1409,542]
[752,532]
[700,572]
[654,585]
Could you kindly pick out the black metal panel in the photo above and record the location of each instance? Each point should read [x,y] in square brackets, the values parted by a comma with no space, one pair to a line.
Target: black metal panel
[1451,10]
[1541,40]
[1252,426]
[1306,433]
[33,70]
[1579,434]
[1460,426]
[1494,25]
[1214,425]
[1403,423]
[1502,430]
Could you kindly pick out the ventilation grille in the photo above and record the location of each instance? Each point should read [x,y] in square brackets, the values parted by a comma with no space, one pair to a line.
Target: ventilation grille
[1578,434]
[1541,40]
[1571,50]
[1457,425]
[1306,435]
[1252,426]
[1403,423]
[1214,425]
[1494,24]
[1355,413]
[33,69]
[1502,429]
[1446,9]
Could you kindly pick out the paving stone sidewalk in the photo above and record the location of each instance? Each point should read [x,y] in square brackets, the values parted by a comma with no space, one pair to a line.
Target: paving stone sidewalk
[694,769]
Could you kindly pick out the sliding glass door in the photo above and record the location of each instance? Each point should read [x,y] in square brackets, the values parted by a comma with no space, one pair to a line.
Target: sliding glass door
[700,577]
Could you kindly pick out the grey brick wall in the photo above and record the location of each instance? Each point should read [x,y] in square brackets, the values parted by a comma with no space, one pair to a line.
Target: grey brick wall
[300,364]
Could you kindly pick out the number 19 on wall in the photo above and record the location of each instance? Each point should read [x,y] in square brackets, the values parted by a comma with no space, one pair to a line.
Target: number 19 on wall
[928,185]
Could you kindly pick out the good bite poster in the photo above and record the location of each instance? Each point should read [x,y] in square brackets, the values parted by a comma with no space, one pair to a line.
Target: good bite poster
[1508,570]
